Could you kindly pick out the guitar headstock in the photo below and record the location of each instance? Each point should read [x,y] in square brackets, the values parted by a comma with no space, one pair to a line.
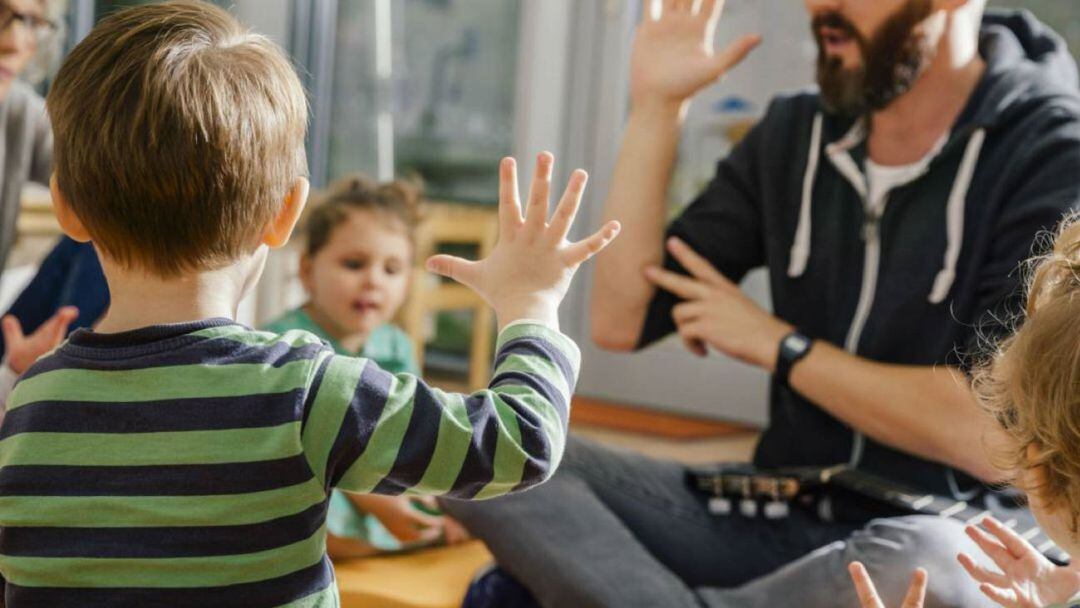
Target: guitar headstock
[754,490]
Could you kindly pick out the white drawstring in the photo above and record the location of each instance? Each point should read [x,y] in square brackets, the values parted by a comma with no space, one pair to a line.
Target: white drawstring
[954,218]
[800,248]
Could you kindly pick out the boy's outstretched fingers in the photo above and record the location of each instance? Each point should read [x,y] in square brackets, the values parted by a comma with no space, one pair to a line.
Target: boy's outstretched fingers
[539,190]
[461,270]
[584,249]
[510,218]
[568,206]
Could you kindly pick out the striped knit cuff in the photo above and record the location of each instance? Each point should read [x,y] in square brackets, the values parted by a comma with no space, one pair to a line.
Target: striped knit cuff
[528,329]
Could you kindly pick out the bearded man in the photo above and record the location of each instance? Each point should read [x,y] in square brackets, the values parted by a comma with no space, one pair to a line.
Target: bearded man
[892,208]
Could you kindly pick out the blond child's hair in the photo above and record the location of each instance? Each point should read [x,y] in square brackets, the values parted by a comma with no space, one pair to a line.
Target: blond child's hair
[1031,384]
[398,200]
[178,134]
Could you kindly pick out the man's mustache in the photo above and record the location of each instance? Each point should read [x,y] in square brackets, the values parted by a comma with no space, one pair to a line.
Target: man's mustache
[834,20]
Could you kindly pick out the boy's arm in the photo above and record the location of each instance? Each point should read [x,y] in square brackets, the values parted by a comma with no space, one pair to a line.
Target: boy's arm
[369,431]
[373,432]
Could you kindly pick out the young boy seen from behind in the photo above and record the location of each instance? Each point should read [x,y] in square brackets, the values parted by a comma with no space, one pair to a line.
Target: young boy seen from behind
[174,457]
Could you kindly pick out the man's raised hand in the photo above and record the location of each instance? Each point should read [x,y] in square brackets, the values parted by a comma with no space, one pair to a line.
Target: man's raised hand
[529,270]
[673,55]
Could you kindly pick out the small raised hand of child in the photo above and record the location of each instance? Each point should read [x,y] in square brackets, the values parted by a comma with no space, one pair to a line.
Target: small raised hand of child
[409,524]
[868,595]
[22,350]
[529,270]
[1027,579]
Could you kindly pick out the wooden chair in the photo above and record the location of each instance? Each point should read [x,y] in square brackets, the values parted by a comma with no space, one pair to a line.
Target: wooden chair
[448,223]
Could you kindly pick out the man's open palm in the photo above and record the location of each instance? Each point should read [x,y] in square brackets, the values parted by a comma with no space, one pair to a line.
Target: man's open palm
[673,55]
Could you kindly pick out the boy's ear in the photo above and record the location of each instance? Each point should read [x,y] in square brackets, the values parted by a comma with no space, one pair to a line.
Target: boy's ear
[281,226]
[69,222]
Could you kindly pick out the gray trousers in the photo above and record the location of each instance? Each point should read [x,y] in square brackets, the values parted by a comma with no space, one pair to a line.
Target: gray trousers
[614,528]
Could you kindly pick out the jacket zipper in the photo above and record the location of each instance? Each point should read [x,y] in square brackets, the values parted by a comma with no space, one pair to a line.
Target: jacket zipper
[871,236]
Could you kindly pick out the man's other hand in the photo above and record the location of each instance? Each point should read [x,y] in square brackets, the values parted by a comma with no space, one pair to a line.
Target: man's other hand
[716,313]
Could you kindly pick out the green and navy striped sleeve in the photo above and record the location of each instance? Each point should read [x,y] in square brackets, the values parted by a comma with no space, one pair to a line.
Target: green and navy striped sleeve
[374,432]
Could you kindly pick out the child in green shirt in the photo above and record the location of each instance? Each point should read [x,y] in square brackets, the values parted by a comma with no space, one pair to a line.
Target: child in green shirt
[358,253]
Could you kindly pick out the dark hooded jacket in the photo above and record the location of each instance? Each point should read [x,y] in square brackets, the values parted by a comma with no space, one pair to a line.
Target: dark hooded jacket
[916,281]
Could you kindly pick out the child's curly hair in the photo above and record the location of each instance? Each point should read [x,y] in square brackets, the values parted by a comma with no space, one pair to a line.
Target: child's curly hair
[1031,383]
[399,199]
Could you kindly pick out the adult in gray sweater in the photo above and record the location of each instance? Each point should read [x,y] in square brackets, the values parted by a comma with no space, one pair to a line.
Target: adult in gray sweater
[27,35]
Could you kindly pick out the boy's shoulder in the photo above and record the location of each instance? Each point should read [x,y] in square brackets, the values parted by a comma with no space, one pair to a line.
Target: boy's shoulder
[207,362]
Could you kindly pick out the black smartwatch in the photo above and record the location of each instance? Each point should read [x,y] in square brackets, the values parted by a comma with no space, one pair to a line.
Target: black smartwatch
[793,348]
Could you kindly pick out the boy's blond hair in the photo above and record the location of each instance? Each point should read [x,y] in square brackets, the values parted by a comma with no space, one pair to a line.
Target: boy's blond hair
[1032,383]
[178,134]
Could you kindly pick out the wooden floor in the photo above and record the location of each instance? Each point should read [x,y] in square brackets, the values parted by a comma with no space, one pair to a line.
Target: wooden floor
[662,434]
[652,423]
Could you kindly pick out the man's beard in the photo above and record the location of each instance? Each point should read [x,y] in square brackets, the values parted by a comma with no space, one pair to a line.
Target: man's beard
[891,61]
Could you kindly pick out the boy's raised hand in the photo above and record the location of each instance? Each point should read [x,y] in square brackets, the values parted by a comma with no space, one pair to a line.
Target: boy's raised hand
[22,350]
[529,271]
[1027,579]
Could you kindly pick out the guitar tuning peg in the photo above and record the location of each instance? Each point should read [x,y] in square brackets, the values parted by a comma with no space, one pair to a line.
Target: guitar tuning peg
[825,509]
[748,507]
[777,509]
[720,506]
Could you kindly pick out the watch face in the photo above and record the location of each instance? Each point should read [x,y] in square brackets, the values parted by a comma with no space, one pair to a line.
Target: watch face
[796,343]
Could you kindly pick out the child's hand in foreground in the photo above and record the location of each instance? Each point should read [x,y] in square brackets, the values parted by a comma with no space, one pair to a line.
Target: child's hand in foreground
[868,596]
[22,351]
[406,522]
[530,268]
[1027,579]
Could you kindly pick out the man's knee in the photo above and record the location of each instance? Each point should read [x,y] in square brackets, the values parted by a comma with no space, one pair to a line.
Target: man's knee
[893,548]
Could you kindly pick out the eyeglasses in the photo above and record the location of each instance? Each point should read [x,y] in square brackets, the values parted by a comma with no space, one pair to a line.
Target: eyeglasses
[41,28]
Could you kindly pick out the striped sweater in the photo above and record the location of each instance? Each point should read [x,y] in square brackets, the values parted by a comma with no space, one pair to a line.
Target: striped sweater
[190,465]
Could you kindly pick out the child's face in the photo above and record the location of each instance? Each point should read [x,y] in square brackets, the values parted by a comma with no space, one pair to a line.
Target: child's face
[359,279]
[1052,518]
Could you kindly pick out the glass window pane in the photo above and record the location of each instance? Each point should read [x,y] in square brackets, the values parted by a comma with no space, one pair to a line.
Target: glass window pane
[425,87]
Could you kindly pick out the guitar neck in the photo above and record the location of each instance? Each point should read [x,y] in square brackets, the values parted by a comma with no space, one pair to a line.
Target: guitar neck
[887,492]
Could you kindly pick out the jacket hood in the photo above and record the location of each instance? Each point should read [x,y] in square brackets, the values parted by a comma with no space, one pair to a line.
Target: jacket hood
[1028,65]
